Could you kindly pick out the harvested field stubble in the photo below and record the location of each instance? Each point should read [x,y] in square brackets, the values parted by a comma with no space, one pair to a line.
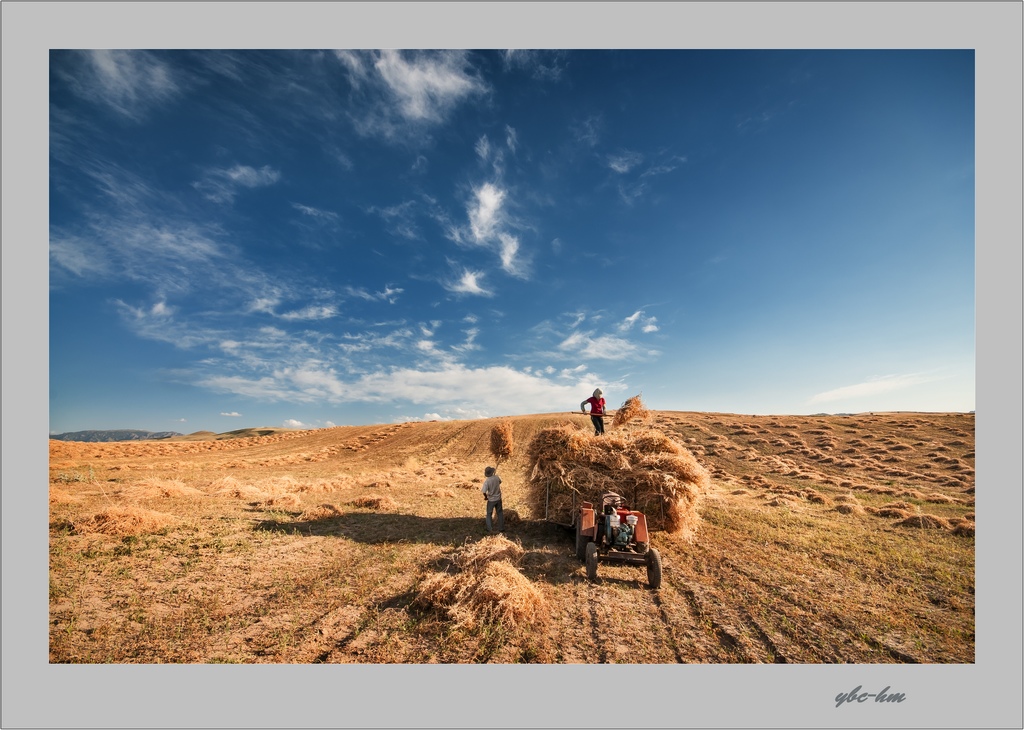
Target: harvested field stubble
[224,581]
[654,474]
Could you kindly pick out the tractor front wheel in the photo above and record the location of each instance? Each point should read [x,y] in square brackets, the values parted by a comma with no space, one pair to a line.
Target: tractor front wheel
[653,559]
[592,560]
[581,539]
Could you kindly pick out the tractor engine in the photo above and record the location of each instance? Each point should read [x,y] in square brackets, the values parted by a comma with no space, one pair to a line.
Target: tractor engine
[620,535]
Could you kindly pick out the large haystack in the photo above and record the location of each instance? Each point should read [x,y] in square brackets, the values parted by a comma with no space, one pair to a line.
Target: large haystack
[654,474]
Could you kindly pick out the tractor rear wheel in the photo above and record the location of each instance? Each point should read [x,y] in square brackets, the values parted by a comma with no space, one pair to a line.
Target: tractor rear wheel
[581,539]
[592,561]
[653,559]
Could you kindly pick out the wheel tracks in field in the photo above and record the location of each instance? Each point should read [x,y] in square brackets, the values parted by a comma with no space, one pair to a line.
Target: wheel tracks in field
[603,624]
[837,621]
[726,627]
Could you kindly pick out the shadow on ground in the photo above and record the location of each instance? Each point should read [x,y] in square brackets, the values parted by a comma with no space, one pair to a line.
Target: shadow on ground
[375,528]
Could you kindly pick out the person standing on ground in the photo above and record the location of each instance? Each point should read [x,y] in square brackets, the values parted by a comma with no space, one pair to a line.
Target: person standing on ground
[492,493]
[596,411]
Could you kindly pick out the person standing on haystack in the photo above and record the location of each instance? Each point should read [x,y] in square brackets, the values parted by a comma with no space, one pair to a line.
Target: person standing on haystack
[492,493]
[596,411]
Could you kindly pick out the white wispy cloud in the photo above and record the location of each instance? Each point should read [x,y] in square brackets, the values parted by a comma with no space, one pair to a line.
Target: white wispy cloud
[427,86]
[508,252]
[387,294]
[222,185]
[511,138]
[588,131]
[232,414]
[399,219]
[599,347]
[542,65]
[486,390]
[623,162]
[483,148]
[401,92]
[485,213]
[873,387]
[324,215]
[164,254]
[647,324]
[130,82]
[292,423]
[490,226]
[470,282]
[312,312]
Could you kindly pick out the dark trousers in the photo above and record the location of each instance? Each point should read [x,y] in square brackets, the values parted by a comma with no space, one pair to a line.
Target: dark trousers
[598,422]
[491,507]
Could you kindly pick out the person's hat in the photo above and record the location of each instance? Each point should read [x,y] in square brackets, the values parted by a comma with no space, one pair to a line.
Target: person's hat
[489,471]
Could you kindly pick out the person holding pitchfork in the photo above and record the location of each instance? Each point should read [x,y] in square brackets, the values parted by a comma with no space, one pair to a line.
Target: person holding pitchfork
[597,411]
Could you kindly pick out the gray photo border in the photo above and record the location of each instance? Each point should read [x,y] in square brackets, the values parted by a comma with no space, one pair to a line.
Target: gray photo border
[37,694]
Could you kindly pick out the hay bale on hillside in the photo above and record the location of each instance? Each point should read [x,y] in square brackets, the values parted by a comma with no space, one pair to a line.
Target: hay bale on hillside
[502,442]
[632,410]
[652,472]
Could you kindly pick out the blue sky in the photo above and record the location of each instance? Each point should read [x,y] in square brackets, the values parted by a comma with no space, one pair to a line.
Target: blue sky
[317,238]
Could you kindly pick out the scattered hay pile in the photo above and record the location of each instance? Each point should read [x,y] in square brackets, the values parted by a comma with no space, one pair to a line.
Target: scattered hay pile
[849,508]
[124,521]
[964,528]
[653,473]
[231,487]
[476,555]
[282,501]
[632,410]
[925,522]
[815,496]
[59,496]
[487,587]
[440,493]
[375,501]
[502,443]
[320,512]
[890,512]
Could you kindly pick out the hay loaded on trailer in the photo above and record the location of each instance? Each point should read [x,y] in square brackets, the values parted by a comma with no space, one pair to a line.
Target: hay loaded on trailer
[653,483]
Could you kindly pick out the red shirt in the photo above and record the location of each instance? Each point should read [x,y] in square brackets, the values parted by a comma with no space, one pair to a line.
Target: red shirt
[596,406]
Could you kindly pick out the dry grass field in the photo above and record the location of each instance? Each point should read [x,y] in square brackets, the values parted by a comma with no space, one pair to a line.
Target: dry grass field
[826,539]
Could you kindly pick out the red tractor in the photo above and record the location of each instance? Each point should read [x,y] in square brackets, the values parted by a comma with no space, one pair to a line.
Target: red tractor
[616,533]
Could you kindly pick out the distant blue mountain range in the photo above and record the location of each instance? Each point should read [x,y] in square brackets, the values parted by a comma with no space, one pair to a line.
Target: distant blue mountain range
[123,434]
